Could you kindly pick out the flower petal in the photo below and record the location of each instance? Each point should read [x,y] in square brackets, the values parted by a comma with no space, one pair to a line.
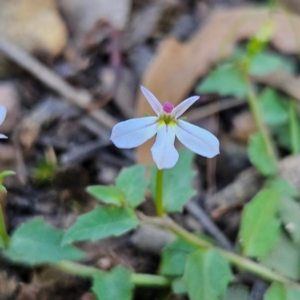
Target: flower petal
[134,132]
[154,103]
[2,113]
[163,151]
[197,139]
[2,136]
[184,105]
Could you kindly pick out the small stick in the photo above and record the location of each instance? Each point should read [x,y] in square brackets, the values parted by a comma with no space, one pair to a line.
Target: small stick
[79,97]
[198,213]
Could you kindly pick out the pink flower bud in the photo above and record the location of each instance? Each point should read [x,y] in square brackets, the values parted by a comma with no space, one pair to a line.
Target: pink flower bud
[168,107]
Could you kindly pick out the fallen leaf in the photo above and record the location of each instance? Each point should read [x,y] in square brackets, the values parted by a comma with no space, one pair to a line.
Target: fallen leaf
[293,5]
[34,25]
[87,18]
[177,65]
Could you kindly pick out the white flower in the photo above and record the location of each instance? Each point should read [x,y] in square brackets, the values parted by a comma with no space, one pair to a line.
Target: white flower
[2,117]
[132,133]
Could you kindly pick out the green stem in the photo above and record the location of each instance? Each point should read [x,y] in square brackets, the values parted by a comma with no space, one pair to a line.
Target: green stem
[257,115]
[89,272]
[159,193]
[241,262]
[3,232]
[294,128]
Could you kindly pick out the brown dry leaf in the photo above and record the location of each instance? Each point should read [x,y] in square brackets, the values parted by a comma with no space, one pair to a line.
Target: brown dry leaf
[34,25]
[87,18]
[243,126]
[177,66]
[283,81]
[293,5]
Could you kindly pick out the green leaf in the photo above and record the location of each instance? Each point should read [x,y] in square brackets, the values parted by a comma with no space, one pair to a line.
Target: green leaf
[283,186]
[284,258]
[274,108]
[177,182]
[35,242]
[115,285]
[259,230]
[3,188]
[100,223]
[107,194]
[2,176]
[207,274]
[278,291]
[227,79]
[283,134]
[179,286]
[259,157]
[237,292]
[5,174]
[289,213]
[266,62]
[174,257]
[133,183]
[2,244]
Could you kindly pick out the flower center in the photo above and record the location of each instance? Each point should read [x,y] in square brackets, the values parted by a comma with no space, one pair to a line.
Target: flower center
[168,107]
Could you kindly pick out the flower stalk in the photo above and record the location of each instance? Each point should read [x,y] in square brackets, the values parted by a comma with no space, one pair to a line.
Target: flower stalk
[159,193]
[257,115]
[137,279]
[294,128]
[3,232]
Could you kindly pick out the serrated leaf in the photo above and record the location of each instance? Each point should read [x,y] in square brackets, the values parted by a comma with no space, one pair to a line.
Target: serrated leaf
[266,62]
[289,213]
[174,256]
[274,109]
[278,291]
[133,183]
[207,274]
[259,230]
[100,223]
[284,258]
[283,186]
[226,79]
[107,194]
[115,285]
[177,182]
[35,242]
[259,156]
[237,292]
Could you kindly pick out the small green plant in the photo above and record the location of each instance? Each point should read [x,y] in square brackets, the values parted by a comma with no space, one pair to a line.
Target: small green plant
[191,265]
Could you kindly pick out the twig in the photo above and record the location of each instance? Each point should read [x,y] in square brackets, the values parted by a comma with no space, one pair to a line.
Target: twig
[79,97]
[210,109]
[208,225]
[80,153]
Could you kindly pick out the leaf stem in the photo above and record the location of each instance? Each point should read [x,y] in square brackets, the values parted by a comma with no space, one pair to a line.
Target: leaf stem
[241,262]
[138,279]
[3,232]
[294,128]
[257,114]
[159,193]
